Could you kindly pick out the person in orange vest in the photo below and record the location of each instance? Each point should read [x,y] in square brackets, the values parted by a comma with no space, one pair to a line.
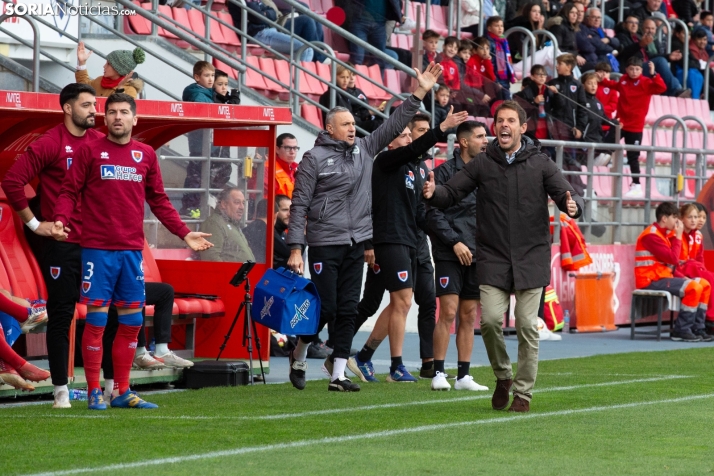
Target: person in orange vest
[691,261]
[656,257]
[286,152]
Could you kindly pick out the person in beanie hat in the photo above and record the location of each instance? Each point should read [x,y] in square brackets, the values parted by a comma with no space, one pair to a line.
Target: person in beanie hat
[118,72]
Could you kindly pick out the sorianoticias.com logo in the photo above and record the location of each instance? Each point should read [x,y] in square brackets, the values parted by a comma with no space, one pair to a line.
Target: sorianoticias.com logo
[62,9]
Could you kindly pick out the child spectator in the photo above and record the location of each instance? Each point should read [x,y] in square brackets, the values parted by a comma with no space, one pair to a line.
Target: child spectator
[608,98]
[501,57]
[118,74]
[345,97]
[441,104]
[463,56]
[536,99]
[568,115]
[655,259]
[635,91]
[431,43]
[220,90]
[595,111]
[479,71]
[691,263]
[449,62]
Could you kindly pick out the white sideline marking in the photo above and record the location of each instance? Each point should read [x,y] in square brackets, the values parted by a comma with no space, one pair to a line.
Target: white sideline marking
[363,436]
[281,416]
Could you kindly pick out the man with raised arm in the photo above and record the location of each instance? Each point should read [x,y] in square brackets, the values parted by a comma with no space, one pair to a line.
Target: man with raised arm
[333,198]
[49,158]
[513,179]
[113,176]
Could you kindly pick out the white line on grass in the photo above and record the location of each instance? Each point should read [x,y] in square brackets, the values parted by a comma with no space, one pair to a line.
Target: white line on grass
[281,416]
[364,436]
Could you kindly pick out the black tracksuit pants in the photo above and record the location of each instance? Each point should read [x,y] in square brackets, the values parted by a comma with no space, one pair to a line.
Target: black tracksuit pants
[338,283]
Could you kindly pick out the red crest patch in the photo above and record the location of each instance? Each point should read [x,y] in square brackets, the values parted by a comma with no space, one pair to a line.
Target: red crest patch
[317,267]
[85,286]
[444,282]
[411,175]
[403,275]
[55,271]
[376,269]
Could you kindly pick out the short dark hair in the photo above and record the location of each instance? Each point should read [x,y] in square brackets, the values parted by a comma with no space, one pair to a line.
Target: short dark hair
[492,20]
[603,66]
[537,68]
[72,91]
[481,41]
[200,66]
[666,209]
[429,34]
[282,137]
[451,40]
[120,97]
[261,208]
[278,199]
[513,106]
[419,118]
[467,128]
[700,206]
[221,74]
[699,33]
[634,61]
[465,45]
[703,14]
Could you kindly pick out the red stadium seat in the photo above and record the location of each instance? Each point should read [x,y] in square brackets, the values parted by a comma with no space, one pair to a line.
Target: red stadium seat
[253,78]
[311,114]
[139,24]
[232,73]
[180,15]
[196,21]
[376,75]
[315,84]
[268,67]
[391,80]
[369,89]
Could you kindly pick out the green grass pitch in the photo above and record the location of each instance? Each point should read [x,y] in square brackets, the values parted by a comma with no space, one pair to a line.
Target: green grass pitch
[638,413]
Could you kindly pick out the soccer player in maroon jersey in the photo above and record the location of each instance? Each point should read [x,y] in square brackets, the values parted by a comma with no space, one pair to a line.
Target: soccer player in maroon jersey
[49,158]
[113,176]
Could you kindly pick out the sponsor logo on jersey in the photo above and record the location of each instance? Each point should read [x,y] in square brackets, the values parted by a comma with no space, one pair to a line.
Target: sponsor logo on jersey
[376,269]
[69,162]
[68,148]
[444,282]
[317,267]
[55,271]
[411,175]
[137,155]
[119,172]
[409,181]
[86,285]
[104,155]
[403,276]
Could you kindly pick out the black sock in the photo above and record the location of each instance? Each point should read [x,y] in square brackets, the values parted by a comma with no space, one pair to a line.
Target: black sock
[438,366]
[427,365]
[463,369]
[365,355]
[396,362]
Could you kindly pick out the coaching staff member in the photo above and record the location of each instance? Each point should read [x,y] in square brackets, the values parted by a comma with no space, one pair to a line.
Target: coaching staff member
[333,196]
[514,179]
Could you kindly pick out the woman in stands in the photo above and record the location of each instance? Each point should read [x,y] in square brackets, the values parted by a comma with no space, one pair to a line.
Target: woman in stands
[564,26]
[118,74]
[691,258]
[531,19]
[17,316]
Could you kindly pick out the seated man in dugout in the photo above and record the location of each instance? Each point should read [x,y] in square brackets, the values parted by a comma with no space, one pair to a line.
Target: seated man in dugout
[224,225]
[656,257]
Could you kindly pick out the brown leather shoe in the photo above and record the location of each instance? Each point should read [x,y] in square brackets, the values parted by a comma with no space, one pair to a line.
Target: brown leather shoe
[502,394]
[520,405]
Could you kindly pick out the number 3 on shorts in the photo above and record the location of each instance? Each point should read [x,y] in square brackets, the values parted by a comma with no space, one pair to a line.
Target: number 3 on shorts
[90,271]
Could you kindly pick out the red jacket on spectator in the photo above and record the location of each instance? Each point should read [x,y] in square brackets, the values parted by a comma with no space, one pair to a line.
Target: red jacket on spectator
[635,95]
[476,69]
[608,97]
[450,75]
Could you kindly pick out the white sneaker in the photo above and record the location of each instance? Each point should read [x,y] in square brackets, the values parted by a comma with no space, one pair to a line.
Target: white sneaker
[439,382]
[146,362]
[173,360]
[36,318]
[635,191]
[468,383]
[62,400]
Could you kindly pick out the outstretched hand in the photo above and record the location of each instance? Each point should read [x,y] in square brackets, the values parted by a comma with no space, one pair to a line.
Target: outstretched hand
[427,79]
[429,187]
[571,205]
[453,120]
[197,241]
[83,54]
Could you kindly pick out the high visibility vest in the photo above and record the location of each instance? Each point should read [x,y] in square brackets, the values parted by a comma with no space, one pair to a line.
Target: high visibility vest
[647,267]
[693,244]
[284,185]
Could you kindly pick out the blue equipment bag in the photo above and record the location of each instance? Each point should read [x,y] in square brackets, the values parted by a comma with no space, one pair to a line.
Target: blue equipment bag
[286,302]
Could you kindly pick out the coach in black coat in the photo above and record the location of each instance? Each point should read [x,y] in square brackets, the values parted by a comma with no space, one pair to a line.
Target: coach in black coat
[514,180]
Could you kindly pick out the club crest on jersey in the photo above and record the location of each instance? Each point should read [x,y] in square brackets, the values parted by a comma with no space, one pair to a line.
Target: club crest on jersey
[104,155]
[137,155]
[317,267]
[444,282]
[403,275]
[411,175]
[422,173]
[606,90]
[573,88]
[55,271]
[86,285]
[69,162]
[376,269]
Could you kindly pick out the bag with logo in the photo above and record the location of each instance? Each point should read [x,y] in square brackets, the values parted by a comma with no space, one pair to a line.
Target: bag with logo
[287,303]
[552,312]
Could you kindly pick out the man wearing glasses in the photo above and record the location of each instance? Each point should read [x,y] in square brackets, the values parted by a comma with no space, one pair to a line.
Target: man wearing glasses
[286,153]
